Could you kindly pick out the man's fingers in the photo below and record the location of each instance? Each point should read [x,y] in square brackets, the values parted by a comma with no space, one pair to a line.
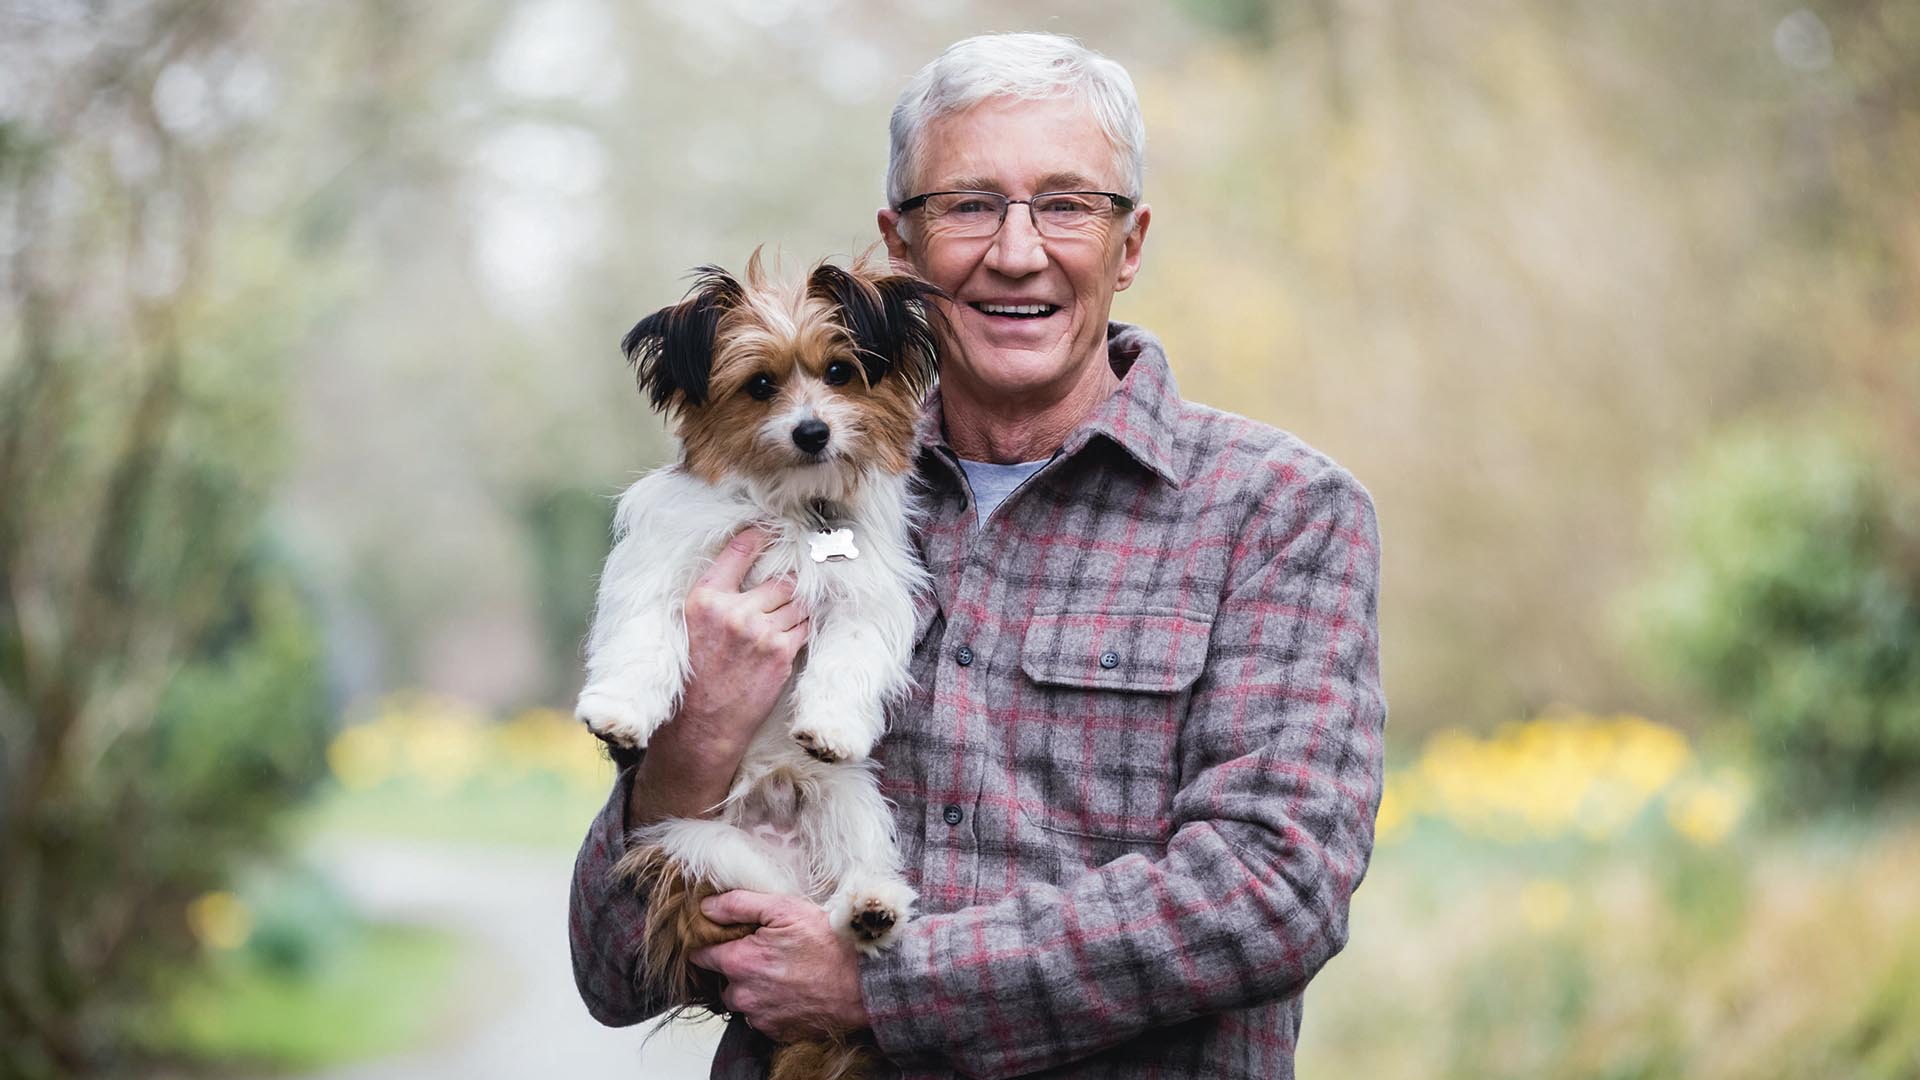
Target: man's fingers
[714,957]
[789,616]
[771,593]
[731,565]
[742,906]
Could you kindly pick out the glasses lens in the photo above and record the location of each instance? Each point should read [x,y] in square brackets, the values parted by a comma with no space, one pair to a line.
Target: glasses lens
[966,213]
[1071,213]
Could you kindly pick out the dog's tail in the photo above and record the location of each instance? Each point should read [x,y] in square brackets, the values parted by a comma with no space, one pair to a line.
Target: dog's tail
[825,1059]
[675,927]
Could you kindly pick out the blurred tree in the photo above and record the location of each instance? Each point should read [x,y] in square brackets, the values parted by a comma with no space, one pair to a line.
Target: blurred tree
[569,531]
[162,683]
[1855,149]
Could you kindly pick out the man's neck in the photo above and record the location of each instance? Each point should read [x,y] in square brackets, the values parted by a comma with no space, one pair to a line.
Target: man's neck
[1007,432]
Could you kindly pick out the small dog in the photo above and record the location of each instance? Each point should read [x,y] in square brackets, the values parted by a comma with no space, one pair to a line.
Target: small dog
[795,406]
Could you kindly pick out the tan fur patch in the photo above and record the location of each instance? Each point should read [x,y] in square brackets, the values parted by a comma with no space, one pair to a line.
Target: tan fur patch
[825,1059]
[675,927]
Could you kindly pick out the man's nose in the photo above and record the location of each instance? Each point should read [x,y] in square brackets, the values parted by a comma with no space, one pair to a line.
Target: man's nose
[811,435]
[1017,248]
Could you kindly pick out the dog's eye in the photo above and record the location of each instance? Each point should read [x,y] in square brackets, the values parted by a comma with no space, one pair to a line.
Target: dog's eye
[760,387]
[839,373]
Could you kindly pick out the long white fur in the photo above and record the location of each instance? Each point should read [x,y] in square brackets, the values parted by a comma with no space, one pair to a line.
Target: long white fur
[668,528]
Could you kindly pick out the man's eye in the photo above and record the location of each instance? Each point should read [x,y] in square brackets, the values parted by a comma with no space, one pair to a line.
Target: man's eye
[1064,206]
[760,387]
[839,373]
[973,207]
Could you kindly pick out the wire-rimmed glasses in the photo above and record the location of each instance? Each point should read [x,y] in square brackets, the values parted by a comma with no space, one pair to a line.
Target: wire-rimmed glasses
[1057,215]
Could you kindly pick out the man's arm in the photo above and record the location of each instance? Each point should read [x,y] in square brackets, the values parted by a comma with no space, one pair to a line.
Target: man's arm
[741,646]
[1281,759]
[605,917]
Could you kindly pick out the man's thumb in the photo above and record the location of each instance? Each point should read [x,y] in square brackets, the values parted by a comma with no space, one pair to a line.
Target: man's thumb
[730,566]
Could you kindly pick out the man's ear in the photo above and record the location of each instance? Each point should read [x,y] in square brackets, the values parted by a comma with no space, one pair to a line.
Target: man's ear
[891,223]
[671,350]
[1130,247]
[892,319]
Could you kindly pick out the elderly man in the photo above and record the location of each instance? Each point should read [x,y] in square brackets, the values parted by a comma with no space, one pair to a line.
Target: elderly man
[1136,784]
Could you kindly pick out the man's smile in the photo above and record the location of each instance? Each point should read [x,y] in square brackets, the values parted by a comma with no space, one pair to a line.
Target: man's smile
[1015,311]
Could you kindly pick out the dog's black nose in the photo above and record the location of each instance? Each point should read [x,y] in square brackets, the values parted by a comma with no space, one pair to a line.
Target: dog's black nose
[811,435]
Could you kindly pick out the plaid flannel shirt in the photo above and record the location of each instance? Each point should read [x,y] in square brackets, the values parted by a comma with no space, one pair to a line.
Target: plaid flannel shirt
[1137,781]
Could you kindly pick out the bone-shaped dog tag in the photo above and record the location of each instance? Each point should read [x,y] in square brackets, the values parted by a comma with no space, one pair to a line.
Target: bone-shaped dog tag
[835,546]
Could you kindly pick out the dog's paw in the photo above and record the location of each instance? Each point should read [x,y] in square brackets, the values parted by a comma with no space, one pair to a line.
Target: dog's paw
[616,720]
[831,743]
[870,913]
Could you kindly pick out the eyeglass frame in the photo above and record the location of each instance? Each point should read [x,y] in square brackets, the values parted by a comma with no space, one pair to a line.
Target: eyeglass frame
[1121,204]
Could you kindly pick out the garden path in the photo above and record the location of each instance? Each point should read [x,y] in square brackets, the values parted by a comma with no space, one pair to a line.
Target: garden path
[520,1017]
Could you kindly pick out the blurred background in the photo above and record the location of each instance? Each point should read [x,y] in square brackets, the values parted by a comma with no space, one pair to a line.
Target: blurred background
[310,409]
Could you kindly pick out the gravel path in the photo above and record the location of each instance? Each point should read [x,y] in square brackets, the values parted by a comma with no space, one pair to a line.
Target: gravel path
[520,1016]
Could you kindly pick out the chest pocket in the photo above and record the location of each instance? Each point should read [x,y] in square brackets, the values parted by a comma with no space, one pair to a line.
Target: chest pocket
[1110,692]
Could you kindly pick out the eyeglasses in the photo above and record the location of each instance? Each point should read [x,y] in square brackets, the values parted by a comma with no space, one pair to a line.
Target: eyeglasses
[1057,215]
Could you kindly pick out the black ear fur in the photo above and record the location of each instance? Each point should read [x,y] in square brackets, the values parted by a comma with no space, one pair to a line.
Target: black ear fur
[671,350]
[892,319]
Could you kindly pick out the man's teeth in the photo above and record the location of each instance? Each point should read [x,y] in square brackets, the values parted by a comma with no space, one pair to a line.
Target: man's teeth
[1016,309]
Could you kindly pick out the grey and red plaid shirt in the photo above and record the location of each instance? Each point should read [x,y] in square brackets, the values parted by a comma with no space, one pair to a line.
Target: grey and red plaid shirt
[1136,785]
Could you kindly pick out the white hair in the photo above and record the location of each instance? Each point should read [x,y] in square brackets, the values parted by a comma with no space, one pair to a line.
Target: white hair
[1021,66]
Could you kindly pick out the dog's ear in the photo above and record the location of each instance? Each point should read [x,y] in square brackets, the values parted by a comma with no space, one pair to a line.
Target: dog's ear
[671,350]
[892,318]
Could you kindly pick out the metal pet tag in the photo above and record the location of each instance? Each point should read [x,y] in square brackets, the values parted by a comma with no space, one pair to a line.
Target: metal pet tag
[834,546]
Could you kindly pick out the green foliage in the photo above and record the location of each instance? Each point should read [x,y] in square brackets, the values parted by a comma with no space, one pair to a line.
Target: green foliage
[163,812]
[242,732]
[569,532]
[311,986]
[1785,591]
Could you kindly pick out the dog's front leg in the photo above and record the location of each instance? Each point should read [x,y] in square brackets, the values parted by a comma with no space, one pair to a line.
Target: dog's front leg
[634,680]
[839,700]
[637,651]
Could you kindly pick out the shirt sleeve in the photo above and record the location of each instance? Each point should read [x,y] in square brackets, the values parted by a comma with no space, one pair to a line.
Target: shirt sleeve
[606,917]
[1281,761]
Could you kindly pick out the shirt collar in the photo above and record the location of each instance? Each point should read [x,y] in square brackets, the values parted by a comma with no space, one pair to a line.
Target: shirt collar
[1139,416]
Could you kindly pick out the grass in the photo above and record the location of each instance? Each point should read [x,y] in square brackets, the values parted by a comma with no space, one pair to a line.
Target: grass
[535,811]
[383,989]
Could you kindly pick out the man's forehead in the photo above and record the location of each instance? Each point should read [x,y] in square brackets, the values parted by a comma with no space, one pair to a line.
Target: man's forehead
[1053,144]
[1068,180]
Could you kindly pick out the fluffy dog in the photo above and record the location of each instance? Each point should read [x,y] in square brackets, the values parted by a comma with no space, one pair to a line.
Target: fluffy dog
[795,405]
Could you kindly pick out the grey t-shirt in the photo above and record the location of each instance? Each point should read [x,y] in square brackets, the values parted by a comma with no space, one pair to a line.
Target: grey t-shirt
[992,483]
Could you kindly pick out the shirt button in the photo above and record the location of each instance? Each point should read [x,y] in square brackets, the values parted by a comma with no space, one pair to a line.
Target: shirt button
[952,814]
[1109,659]
[964,656]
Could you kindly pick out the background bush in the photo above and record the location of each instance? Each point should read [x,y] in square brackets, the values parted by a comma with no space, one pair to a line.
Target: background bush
[1789,596]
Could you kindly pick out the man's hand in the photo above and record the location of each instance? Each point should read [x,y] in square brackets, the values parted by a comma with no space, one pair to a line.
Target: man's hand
[741,646]
[793,978]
